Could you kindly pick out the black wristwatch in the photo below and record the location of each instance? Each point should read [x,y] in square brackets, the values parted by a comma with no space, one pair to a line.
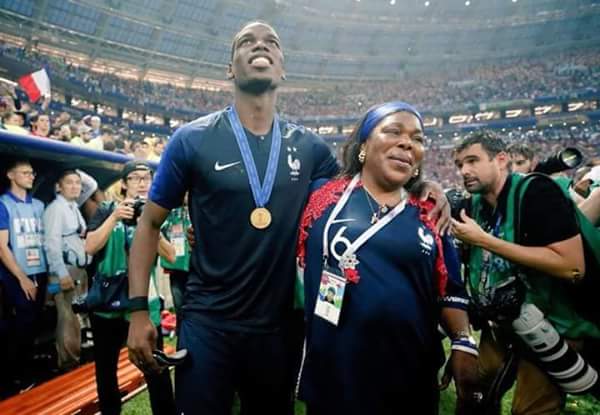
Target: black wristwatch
[138,304]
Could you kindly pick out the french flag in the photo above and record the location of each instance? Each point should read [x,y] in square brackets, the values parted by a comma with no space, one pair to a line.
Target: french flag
[36,85]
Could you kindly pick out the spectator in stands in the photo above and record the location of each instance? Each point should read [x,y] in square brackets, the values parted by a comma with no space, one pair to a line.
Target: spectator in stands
[40,125]
[109,238]
[157,150]
[84,135]
[23,273]
[522,157]
[65,229]
[63,118]
[141,149]
[120,146]
[100,140]
[65,133]
[96,124]
[13,122]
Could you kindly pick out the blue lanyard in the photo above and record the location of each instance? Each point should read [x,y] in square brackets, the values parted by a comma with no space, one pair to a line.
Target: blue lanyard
[261,194]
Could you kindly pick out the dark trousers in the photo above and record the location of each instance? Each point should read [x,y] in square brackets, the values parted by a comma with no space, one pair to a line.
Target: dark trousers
[19,327]
[110,335]
[220,363]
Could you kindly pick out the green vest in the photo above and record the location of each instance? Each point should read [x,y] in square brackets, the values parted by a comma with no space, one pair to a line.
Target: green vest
[487,270]
[114,262]
[175,228]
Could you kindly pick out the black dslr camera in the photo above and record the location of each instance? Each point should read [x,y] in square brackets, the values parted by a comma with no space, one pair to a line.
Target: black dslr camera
[505,304]
[138,207]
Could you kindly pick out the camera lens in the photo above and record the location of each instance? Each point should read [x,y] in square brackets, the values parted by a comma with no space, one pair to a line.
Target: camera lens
[571,157]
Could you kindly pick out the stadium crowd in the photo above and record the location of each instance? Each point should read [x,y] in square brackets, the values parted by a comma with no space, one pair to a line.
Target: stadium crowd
[48,249]
[510,79]
[89,131]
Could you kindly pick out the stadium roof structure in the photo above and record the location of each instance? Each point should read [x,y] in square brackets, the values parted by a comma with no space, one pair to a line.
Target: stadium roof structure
[323,39]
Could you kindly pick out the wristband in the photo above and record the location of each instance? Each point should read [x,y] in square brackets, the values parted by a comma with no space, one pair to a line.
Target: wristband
[465,344]
[138,304]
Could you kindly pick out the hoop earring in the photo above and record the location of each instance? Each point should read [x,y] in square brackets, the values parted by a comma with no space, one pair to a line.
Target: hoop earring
[362,156]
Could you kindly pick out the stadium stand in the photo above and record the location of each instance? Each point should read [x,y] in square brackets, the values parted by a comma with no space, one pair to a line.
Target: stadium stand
[124,78]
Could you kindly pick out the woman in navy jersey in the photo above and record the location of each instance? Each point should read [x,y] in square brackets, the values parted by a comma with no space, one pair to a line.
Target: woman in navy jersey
[378,279]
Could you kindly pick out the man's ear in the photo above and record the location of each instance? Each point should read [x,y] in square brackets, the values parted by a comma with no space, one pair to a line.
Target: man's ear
[229,72]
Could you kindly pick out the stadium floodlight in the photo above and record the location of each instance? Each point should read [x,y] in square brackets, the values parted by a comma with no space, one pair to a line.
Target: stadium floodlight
[467,3]
[427,4]
[392,2]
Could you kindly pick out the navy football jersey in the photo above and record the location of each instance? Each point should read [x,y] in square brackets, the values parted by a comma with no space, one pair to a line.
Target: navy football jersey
[241,278]
[385,350]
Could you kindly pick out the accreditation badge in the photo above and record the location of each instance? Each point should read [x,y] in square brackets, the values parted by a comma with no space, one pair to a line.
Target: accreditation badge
[177,229]
[330,297]
[33,257]
[179,245]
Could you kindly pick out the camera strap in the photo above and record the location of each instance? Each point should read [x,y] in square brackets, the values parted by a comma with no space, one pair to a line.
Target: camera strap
[488,270]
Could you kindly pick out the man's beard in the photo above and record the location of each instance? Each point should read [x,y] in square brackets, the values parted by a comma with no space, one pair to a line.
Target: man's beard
[256,86]
[479,188]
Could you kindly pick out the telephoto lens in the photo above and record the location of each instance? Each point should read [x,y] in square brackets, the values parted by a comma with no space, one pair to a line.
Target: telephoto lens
[566,159]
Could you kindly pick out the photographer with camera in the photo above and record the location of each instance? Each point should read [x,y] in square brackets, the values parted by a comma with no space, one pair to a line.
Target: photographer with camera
[520,272]
[110,234]
[523,160]
[67,279]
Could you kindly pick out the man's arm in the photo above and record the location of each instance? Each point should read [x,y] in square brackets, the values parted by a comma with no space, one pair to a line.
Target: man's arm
[8,260]
[142,334]
[53,225]
[591,206]
[562,259]
[170,183]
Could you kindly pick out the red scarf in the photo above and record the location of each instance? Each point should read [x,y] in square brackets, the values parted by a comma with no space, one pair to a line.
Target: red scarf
[331,192]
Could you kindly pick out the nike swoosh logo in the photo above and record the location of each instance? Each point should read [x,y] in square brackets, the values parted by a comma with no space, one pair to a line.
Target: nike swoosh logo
[219,167]
[342,220]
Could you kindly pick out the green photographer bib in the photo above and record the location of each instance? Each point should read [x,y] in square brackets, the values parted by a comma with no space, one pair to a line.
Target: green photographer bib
[488,270]
[175,228]
[114,262]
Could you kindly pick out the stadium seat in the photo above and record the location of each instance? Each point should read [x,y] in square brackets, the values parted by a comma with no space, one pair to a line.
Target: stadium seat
[74,392]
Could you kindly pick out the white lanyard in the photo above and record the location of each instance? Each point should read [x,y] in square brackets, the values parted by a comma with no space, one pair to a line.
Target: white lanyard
[348,259]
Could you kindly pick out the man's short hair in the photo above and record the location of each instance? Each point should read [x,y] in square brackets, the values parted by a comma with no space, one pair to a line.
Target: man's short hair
[253,22]
[16,162]
[35,117]
[521,149]
[67,172]
[490,142]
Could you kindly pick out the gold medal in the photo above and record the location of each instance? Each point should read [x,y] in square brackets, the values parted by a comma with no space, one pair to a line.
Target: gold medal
[260,218]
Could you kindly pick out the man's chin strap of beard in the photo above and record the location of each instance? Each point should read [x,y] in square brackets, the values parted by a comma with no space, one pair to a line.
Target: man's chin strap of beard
[256,86]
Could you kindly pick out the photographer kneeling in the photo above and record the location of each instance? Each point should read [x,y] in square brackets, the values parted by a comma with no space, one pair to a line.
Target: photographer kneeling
[110,234]
[524,262]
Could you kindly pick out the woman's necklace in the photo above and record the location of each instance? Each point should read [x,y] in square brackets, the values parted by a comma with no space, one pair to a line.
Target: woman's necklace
[381,210]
